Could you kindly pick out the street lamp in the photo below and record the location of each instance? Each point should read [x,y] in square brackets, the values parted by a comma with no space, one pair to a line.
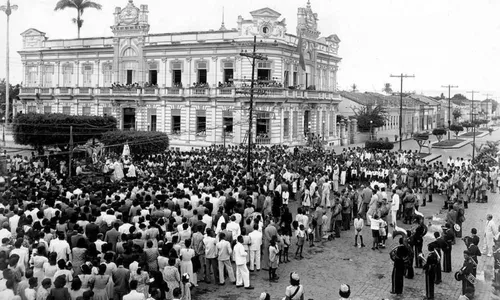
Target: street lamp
[371,129]
[8,11]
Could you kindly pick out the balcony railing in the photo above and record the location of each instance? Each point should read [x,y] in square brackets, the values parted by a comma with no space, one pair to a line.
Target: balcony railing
[230,92]
[263,140]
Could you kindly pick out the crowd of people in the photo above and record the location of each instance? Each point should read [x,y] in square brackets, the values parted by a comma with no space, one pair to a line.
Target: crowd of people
[154,227]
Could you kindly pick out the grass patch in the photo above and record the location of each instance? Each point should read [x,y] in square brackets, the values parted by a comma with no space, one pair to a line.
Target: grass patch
[448,143]
[471,133]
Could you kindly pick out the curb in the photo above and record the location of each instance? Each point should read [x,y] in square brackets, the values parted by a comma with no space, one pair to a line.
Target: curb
[457,146]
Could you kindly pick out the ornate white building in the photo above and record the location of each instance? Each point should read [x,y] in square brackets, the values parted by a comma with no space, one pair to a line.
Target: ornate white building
[178,79]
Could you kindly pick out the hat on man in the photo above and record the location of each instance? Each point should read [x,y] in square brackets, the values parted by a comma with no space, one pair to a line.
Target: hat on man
[456,227]
[344,291]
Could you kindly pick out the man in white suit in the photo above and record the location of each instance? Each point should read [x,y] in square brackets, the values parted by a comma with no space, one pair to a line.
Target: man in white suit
[490,231]
[240,259]
[255,245]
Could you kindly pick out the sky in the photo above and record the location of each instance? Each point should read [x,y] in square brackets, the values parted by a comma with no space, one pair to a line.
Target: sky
[441,42]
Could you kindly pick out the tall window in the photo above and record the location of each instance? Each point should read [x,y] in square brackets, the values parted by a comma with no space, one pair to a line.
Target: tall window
[201,122]
[176,121]
[285,78]
[48,71]
[67,74]
[295,124]
[107,70]
[295,75]
[31,76]
[86,111]
[176,73]
[331,127]
[228,68]
[202,68]
[227,120]
[87,75]
[153,73]
[152,123]
[47,109]
[106,111]
[286,125]
[264,70]
[66,110]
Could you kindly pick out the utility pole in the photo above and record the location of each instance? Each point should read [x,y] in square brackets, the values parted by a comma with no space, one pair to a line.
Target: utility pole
[8,11]
[253,56]
[449,86]
[402,76]
[471,102]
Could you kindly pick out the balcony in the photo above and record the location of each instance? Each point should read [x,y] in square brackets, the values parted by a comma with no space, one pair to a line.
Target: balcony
[227,92]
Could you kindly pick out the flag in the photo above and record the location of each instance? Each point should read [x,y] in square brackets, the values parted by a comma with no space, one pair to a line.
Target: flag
[302,62]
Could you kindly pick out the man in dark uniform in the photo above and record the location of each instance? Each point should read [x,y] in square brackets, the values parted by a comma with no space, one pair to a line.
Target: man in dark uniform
[418,239]
[449,237]
[440,246]
[430,267]
[474,252]
[409,244]
[398,255]
[465,275]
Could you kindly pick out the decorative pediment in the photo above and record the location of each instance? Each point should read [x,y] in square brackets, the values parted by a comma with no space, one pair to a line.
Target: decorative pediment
[31,32]
[33,38]
[265,13]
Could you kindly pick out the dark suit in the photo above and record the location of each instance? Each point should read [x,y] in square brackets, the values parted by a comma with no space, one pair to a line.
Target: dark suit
[121,278]
[112,238]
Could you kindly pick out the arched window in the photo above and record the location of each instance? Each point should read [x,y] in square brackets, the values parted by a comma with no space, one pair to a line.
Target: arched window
[129,52]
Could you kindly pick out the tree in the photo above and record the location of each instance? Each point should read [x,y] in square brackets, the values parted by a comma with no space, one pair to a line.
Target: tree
[467,125]
[421,138]
[40,130]
[439,133]
[379,145]
[442,96]
[494,105]
[456,129]
[458,97]
[140,142]
[80,6]
[354,88]
[376,114]
[486,155]
[387,88]
[13,93]
[457,113]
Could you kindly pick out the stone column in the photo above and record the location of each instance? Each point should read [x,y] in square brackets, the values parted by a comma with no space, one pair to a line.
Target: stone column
[348,130]
[354,130]
[343,136]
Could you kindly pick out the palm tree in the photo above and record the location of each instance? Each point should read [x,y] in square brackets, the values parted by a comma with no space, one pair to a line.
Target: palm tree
[387,88]
[80,6]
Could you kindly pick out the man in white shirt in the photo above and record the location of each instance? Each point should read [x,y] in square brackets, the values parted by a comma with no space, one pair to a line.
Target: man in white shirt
[134,295]
[240,259]
[255,245]
[4,232]
[61,247]
[394,207]
[234,227]
[14,222]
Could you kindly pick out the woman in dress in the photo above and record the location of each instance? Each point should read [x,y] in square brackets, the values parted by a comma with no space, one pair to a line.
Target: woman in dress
[37,261]
[172,277]
[163,258]
[101,281]
[50,267]
[186,255]
[76,289]
[151,254]
[142,279]
[86,277]
[59,292]
[110,268]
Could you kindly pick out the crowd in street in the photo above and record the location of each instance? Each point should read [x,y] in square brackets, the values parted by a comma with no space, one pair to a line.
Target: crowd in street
[155,227]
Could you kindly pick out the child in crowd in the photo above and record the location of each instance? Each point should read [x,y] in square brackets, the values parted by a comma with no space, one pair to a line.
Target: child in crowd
[273,260]
[310,233]
[375,227]
[286,246]
[301,236]
[186,287]
[383,233]
[281,244]
[324,224]
[359,223]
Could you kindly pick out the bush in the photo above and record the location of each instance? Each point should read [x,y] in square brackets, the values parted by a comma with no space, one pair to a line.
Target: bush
[379,145]
[140,142]
[39,130]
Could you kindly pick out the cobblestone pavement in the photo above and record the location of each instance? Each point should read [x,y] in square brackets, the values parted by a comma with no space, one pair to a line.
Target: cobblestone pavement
[325,267]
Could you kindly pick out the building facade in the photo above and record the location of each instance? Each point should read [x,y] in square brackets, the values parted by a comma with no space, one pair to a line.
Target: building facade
[192,85]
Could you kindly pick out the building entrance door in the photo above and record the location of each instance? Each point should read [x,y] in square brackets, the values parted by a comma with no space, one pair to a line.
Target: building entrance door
[129,118]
